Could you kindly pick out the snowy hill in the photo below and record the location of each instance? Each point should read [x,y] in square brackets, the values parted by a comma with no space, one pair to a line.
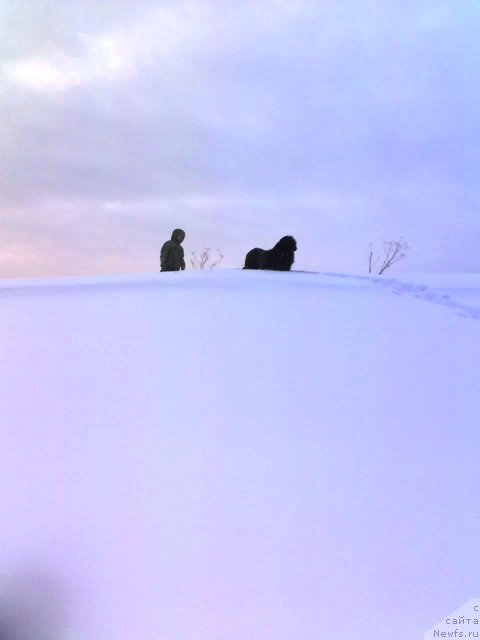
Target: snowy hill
[231,455]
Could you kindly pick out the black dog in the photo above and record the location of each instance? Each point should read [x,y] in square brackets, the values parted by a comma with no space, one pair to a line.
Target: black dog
[280,258]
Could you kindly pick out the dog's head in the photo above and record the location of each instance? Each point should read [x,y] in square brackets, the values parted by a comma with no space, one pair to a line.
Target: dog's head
[287,243]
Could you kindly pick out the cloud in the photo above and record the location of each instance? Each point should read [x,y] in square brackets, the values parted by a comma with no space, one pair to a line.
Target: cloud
[111,55]
[338,122]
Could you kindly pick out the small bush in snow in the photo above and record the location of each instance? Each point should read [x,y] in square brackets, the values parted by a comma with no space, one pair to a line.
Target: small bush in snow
[393,251]
[205,260]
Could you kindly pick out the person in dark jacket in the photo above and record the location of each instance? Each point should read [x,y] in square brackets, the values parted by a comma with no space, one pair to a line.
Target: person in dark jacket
[171,255]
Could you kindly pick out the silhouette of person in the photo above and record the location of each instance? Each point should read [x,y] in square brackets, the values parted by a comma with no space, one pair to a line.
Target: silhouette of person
[172,255]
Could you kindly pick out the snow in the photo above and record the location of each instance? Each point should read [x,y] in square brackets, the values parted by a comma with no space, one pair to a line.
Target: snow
[232,454]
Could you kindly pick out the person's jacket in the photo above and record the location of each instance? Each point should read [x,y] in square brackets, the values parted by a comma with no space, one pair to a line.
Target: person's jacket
[172,254]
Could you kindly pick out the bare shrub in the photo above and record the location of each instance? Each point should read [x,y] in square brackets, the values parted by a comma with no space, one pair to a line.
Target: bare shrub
[205,260]
[393,252]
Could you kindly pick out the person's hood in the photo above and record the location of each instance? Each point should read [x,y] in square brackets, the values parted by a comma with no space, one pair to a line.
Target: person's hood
[178,236]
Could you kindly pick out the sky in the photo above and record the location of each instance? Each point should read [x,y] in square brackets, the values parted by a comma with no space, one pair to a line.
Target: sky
[344,124]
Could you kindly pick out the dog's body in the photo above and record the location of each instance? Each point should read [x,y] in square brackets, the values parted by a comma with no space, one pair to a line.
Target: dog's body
[280,258]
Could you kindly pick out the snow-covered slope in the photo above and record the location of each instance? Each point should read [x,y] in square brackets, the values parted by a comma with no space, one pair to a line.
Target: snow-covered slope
[231,455]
